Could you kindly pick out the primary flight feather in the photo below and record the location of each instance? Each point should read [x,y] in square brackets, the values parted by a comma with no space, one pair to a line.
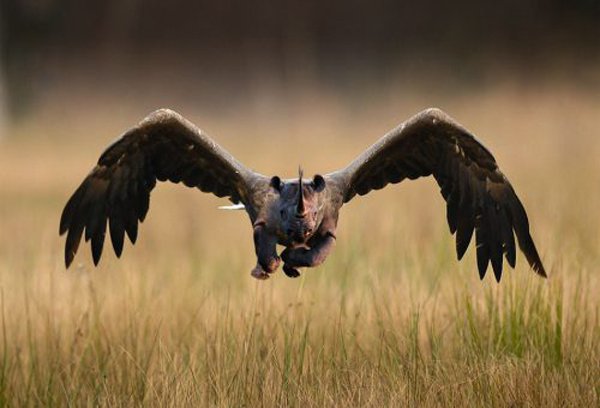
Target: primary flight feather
[299,214]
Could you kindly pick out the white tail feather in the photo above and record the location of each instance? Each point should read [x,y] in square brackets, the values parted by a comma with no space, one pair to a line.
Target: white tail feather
[232,207]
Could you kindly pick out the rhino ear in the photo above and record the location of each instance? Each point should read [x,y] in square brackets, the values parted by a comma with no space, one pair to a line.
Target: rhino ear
[318,183]
[275,183]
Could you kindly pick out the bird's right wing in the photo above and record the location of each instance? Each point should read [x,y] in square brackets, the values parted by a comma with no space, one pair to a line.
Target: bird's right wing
[164,146]
[479,197]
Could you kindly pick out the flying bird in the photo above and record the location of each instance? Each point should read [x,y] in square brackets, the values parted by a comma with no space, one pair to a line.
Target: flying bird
[301,214]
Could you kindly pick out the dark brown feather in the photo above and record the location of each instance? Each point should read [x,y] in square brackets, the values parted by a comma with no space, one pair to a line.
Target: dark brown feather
[477,194]
[494,241]
[464,230]
[162,147]
[117,231]
[98,241]
[481,239]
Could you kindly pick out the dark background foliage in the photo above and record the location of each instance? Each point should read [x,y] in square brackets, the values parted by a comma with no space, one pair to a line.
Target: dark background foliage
[334,42]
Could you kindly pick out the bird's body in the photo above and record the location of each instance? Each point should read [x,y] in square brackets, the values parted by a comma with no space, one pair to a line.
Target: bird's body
[297,213]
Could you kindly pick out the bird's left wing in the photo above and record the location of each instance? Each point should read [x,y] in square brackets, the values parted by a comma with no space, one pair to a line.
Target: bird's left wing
[479,197]
[164,146]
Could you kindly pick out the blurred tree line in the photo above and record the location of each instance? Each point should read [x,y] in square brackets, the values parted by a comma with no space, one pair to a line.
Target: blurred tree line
[320,34]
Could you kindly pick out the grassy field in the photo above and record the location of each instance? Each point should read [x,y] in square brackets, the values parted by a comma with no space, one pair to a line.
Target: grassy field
[391,319]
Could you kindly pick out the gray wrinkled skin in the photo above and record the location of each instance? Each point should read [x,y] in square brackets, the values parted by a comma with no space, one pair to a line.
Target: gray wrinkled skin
[293,217]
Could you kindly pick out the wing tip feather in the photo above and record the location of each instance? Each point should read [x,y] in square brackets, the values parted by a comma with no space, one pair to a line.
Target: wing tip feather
[539,269]
[69,256]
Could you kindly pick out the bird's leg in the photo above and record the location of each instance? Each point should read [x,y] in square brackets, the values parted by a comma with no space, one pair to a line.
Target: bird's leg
[266,252]
[294,258]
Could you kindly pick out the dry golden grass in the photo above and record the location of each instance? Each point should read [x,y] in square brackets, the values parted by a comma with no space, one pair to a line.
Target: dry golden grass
[391,319]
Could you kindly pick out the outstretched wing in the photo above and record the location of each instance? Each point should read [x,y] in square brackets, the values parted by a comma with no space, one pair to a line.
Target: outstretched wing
[479,197]
[164,146]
